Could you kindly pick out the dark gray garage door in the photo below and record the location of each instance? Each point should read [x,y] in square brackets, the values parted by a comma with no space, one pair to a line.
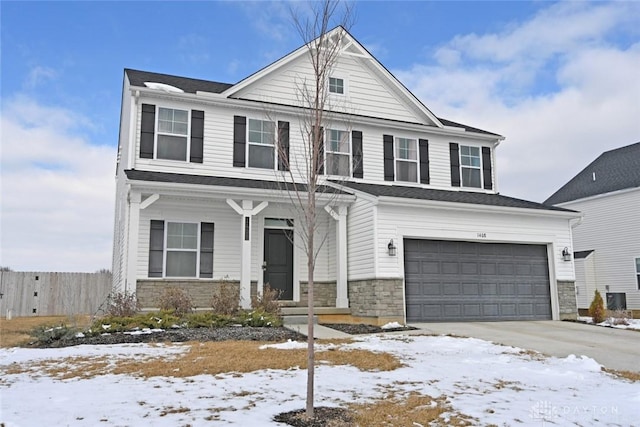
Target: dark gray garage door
[460,281]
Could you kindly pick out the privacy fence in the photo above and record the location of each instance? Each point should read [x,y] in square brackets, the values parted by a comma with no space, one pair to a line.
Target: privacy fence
[52,294]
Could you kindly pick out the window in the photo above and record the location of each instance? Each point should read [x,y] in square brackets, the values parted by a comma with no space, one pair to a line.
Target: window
[338,153]
[406,160]
[638,272]
[182,249]
[470,164]
[336,85]
[262,152]
[173,129]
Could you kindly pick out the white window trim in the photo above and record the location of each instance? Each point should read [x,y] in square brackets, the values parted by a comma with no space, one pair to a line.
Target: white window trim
[479,147]
[349,153]
[157,132]
[166,249]
[274,145]
[635,267]
[345,85]
[397,159]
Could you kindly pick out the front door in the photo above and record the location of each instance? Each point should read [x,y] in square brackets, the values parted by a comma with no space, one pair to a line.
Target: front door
[278,261]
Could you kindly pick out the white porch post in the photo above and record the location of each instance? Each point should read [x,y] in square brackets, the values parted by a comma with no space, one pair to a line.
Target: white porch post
[132,244]
[342,292]
[247,211]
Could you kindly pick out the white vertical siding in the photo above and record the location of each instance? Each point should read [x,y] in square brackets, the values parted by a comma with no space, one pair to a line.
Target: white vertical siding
[585,280]
[361,240]
[611,227]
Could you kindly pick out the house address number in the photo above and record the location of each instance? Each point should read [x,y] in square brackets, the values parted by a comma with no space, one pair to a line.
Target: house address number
[481,235]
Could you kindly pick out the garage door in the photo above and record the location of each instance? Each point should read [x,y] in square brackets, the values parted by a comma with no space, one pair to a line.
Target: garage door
[463,281]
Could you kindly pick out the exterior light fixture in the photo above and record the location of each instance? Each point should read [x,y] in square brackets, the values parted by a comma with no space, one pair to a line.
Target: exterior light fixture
[393,250]
[566,255]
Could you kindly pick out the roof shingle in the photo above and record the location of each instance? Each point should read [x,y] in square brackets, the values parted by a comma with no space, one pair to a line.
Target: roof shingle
[137,78]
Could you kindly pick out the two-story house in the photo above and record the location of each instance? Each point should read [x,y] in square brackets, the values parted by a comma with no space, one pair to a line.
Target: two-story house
[607,241]
[412,223]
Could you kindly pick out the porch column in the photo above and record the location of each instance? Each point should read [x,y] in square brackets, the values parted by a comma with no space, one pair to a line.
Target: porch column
[339,213]
[247,211]
[132,244]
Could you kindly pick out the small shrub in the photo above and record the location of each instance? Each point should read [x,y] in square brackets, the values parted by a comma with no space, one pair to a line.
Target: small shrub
[596,309]
[46,334]
[227,300]
[259,318]
[177,300]
[208,320]
[619,317]
[122,304]
[268,301]
[155,320]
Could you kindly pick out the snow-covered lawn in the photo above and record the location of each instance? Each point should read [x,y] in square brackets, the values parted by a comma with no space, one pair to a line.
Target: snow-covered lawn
[494,384]
[614,323]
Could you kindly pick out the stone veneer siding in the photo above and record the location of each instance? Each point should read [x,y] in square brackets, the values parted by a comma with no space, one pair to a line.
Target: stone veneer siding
[324,294]
[379,298]
[200,291]
[567,302]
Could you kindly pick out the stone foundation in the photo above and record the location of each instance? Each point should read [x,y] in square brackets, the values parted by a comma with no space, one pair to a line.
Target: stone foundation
[377,301]
[201,292]
[324,295]
[568,306]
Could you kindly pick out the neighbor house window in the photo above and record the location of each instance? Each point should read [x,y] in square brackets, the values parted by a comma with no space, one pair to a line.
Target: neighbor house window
[471,166]
[261,142]
[173,129]
[336,85]
[182,249]
[406,160]
[338,153]
[638,272]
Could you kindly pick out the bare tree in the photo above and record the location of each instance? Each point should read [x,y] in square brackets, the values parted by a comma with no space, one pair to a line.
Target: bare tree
[324,45]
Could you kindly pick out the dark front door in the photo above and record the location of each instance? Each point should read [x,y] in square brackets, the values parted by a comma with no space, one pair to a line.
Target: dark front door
[278,257]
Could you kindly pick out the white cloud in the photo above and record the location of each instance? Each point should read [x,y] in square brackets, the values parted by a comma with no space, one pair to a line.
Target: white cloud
[38,75]
[57,191]
[557,86]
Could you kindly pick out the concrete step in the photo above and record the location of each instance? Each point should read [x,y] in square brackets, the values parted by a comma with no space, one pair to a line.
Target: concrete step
[302,311]
[297,319]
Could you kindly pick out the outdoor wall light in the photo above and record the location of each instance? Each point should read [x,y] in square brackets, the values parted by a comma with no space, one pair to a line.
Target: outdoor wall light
[392,248]
[566,255]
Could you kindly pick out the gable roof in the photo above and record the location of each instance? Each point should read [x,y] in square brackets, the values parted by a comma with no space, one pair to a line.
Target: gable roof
[138,78]
[613,170]
[399,191]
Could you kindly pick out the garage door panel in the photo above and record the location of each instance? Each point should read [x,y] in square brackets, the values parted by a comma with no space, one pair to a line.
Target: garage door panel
[476,281]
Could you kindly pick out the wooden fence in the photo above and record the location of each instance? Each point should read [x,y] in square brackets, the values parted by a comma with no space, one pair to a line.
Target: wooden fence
[52,294]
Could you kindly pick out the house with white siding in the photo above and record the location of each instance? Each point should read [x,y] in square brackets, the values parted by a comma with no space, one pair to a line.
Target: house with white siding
[606,244]
[413,225]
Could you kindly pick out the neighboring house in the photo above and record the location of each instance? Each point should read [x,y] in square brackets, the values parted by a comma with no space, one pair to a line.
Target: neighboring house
[414,226]
[607,242]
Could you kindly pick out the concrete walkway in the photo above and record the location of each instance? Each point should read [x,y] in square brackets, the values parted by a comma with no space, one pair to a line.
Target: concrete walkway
[319,332]
[613,348]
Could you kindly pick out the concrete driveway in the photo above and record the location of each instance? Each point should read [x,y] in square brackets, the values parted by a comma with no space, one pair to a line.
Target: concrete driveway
[612,348]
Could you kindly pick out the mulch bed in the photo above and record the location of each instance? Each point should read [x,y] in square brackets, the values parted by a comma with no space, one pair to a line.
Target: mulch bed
[323,416]
[361,329]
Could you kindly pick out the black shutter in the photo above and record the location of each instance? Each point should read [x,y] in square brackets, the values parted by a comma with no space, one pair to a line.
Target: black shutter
[147,131]
[486,168]
[454,154]
[156,248]
[206,250]
[283,144]
[424,161]
[388,158]
[197,136]
[356,147]
[239,140]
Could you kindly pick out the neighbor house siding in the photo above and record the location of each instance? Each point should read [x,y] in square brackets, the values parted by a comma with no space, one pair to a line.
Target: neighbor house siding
[611,228]
[585,280]
[360,240]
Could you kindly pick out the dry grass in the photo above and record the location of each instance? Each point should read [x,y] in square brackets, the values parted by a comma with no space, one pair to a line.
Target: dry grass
[409,411]
[211,358]
[15,332]
[628,375]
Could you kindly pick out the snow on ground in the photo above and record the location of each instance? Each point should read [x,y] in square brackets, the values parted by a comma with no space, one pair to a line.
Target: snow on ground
[496,384]
[613,323]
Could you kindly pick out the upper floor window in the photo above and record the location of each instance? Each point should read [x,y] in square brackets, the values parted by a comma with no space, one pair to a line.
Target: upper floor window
[471,166]
[336,85]
[638,272]
[338,153]
[261,142]
[173,131]
[406,160]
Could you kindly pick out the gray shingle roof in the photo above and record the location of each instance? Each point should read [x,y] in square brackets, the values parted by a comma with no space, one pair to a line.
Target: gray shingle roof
[614,170]
[448,196]
[138,175]
[137,78]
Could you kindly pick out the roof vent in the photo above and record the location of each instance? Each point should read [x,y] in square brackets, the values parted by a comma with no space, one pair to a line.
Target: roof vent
[163,86]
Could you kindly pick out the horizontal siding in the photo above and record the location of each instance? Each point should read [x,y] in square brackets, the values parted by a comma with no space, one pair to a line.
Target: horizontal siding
[398,222]
[611,228]
[360,240]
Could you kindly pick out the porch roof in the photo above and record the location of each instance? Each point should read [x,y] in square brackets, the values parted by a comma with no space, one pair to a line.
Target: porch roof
[468,197]
[178,178]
